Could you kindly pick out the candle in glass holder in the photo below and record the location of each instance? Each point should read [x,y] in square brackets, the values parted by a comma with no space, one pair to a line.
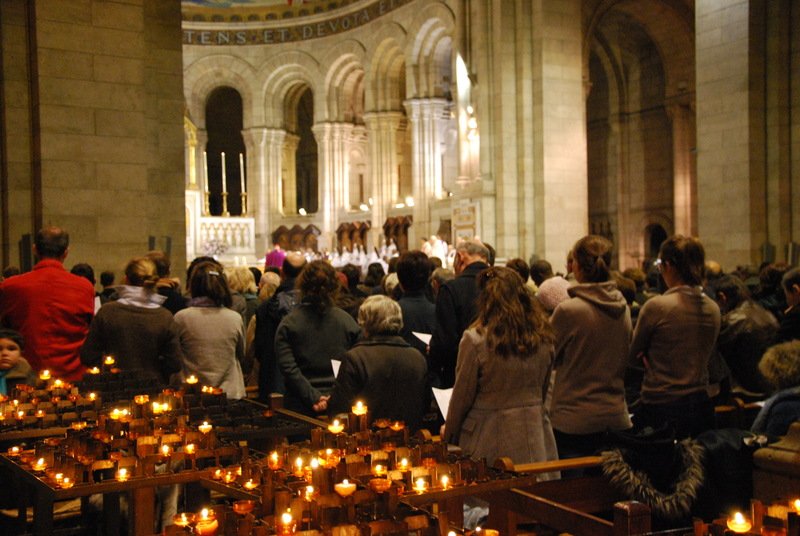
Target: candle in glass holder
[115,414]
[404,465]
[229,477]
[207,524]
[380,485]
[796,506]
[287,524]
[40,414]
[39,465]
[191,380]
[738,523]
[420,485]
[345,488]
[109,360]
[78,425]
[66,483]
[165,450]
[217,474]
[250,485]
[93,370]
[379,470]
[244,507]
[309,493]
[273,460]
[14,451]
[122,475]
[44,375]
[359,409]
[190,449]
[141,399]
[445,480]
[183,519]
[58,478]
[396,426]
[336,427]
[298,466]
[93,396]
[20,415]
[205,427]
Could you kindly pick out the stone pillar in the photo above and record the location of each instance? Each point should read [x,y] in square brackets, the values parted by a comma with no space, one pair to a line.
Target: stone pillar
[426,118]
[382,130]
[287,202]
[332,150]
[264,148]
[730,187]
[684,185]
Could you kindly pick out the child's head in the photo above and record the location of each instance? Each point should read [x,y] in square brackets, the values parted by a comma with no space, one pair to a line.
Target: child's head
[11,345]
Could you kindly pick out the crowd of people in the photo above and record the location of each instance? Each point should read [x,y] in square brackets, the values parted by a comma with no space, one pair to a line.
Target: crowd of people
[563,359]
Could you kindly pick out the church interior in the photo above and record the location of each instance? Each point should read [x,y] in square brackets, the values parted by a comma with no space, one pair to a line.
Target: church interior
[225,127]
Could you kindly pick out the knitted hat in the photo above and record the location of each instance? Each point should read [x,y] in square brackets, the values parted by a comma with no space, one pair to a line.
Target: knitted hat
[13,335]
[553,291]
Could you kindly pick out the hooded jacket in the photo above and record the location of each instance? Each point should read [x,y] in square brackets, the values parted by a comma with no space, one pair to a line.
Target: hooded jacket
[593,333]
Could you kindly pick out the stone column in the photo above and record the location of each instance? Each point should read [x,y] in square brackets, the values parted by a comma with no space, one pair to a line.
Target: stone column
[264,152]
[684,185]
[426,118]
[382,130]
[331,143]
[287,201]
[730,187]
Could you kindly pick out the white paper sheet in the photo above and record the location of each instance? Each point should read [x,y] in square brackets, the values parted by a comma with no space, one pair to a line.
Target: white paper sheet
[335,363]
[443,397]
[424,337]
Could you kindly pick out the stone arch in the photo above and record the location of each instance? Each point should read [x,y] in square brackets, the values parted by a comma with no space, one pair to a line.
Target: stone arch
[281,74]
[385,82]
[645,228]
[210,72]
[429,51]
[344,83]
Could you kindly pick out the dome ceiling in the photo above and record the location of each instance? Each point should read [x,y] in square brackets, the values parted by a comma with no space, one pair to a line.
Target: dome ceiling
[259,10]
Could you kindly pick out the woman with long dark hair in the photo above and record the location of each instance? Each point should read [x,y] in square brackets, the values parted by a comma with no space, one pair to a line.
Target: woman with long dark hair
[315,332]
[504,359]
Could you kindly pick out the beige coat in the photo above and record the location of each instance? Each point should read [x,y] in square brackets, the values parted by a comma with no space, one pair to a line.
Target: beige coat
[497,405]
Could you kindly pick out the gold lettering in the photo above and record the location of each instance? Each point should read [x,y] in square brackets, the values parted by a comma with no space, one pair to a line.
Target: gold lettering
[205,38]
[268,37]
[308,32]
[241,38]
[284,35]
[223,38]
[188,35]
[321,29]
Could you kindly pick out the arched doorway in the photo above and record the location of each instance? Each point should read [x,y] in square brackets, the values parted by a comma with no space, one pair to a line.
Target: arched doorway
[224,126]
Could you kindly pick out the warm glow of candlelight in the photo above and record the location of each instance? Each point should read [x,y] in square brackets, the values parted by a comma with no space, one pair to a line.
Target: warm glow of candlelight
[40,465]
[205,427]
[298,466]
[796,505]
[420,485]
[44,375]
[20,414]
[58,477]
[92,396]
[183,519]
[739,524]
[115,414]
[141,399]
[93,370]
[191,380]
[336,427]
[250,485]
[359,409]
[109,360]
[445,480]
[379,470]
[404,464]
[314,463]
[66,483]
[274,461]
[345,488]
[40,414]
[14,451]
[217,475]
[229,477]
[309,493]
[165,450]
[78,425]
[122,475]
[58,384]
[189,449]
[206,514]
[397,426]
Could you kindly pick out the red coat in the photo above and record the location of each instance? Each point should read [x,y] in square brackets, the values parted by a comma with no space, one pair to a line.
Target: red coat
[52,308]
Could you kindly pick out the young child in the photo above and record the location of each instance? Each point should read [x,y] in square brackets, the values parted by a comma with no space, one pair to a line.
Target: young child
[14,368]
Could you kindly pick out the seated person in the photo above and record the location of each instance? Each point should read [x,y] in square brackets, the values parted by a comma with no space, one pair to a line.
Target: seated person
[14,369]
[780,366]
[382,370]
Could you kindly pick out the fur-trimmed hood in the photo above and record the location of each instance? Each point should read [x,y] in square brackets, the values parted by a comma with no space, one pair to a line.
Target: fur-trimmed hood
[673,504]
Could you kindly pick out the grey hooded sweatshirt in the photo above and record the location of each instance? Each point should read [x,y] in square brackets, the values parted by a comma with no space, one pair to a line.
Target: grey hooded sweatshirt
[593,334]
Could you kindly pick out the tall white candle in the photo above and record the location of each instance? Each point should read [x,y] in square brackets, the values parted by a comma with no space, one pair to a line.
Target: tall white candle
[224,176]
[241,170]
[205,172]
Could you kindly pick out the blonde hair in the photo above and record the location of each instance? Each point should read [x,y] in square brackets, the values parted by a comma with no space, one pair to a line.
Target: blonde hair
[141,272]
[780,365]
[240,279]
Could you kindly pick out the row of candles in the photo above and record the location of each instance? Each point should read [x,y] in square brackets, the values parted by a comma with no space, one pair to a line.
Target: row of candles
[739,523]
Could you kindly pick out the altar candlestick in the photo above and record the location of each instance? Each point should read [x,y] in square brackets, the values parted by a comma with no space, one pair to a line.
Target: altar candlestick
[241,170]
[224,176]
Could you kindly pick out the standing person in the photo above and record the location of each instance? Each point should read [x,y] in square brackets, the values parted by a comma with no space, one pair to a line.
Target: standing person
[50,307]
[455,310]
[504,361]
[593,333]
[674,338]
[212,336]
[789,329]
[169,287]
[382,370]
[419,314]
[310,336]
[135,328]
[268,316]
[275,257]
